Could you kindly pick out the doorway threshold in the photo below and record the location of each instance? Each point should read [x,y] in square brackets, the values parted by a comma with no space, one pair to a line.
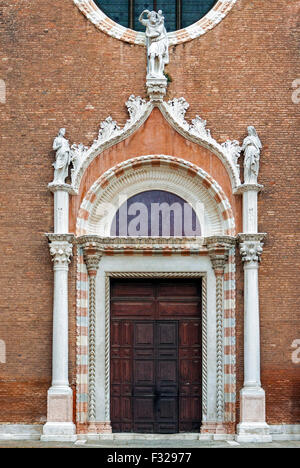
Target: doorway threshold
[130,436]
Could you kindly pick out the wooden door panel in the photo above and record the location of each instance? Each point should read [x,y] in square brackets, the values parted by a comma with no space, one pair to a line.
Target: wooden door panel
[156,356]
[144,335]
[167,334]
[144,409]
[178,289]
[132,309]
[178,309]
[144,373]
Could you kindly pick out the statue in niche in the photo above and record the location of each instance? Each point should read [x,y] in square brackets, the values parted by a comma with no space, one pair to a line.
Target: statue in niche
[157,43]
[252,147]
[63,157]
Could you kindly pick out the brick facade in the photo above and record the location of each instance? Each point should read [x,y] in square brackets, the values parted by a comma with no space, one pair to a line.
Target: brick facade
[60,70]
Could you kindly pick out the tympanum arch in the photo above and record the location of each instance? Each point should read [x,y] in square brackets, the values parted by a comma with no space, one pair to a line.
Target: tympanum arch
[155,172]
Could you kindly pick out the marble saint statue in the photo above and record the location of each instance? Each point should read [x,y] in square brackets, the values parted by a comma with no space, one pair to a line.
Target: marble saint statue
[252,147]
[157,43]
[63,157]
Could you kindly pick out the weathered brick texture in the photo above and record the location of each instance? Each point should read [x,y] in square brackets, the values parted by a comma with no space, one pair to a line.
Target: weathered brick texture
[61,71]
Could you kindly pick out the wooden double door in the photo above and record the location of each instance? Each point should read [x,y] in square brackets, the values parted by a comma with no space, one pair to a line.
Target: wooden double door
[156,356]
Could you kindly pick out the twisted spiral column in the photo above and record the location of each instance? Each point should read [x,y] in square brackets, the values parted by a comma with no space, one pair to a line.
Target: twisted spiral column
[92,259]
[218,249]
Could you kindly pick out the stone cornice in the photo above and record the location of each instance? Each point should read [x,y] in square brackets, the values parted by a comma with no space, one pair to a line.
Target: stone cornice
[226,242]
[52,237]
[254,237]
[143,245]
[155,245]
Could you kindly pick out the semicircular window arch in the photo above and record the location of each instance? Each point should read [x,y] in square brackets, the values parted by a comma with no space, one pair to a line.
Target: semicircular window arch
[178,14]
[156,213]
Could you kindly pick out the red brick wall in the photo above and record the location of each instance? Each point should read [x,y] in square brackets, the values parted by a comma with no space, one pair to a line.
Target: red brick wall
[57,65]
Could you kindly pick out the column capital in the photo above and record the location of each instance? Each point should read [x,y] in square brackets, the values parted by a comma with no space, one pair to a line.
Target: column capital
[218,249]
[241,189]
[92,257]
[57,187]
[61,249]
[251,247]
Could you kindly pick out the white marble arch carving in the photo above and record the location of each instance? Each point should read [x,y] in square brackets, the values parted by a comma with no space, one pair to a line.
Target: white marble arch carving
[138,175]
[174,112]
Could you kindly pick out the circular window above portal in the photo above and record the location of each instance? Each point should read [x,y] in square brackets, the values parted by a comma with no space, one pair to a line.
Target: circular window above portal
[184,19]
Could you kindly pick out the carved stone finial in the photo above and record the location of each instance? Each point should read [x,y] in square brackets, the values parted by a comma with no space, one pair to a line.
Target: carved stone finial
[252,147]
[63,157]
[178,108]
[108,129]
[78,154]
[157,53]
[198,128]
[233,151]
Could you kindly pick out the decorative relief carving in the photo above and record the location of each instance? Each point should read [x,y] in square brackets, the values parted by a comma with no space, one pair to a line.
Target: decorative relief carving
[109,134]
[92,259]
[220,347]
[136,108]
[61,247]
[233,151]
[78,154]
[196,131]
[251,247]
[178,108]
[139,245]
[108,129]
[139,110]
[218,249]
[198,128]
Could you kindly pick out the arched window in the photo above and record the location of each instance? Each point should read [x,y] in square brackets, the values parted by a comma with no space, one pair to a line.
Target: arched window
[156,213]
[178,13]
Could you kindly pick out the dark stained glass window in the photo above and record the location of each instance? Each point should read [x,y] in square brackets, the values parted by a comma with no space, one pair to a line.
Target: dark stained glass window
[178,13]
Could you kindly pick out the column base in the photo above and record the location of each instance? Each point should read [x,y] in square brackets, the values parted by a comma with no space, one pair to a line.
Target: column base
[59,432]
[59,424]
[253,432]
[253,426]
[99,428]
